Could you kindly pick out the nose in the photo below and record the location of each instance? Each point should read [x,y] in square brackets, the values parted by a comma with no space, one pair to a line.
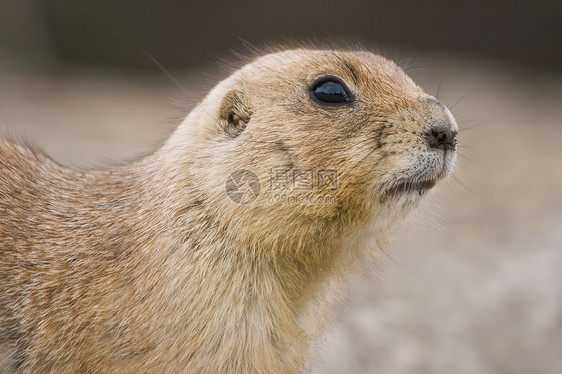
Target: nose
[441,137]
[442,132]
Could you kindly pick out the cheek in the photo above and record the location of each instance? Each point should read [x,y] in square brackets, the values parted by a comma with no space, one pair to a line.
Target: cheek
[398,151]
[404,144]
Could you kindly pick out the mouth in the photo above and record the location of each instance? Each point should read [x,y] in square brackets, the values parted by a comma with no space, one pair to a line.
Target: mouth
[422,175]
[405,187]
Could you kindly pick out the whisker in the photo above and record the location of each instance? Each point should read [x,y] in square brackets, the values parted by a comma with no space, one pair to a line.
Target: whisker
[431,222]
[438,88]
[463,129]
[459,100]
[368,272]
[465,157]
[411,70]
[457,179]
[389,256]
[178,84]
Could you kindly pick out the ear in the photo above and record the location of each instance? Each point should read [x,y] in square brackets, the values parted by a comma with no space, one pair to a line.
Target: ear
[234,113]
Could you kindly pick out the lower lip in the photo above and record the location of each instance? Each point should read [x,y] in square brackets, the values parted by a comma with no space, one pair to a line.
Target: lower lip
[412,187]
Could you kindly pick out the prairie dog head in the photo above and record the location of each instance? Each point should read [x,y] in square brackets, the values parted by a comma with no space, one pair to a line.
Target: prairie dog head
[329,137]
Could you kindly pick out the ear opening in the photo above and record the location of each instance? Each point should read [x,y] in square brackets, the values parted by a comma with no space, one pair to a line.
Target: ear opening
[234,113]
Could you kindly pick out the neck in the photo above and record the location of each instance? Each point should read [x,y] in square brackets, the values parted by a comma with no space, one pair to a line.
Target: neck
[223,299]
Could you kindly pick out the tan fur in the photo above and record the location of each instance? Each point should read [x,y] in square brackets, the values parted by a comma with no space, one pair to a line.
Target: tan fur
[150,268]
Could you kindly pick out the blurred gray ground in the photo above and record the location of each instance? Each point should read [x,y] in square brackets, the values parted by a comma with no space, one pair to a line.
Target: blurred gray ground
[475,285]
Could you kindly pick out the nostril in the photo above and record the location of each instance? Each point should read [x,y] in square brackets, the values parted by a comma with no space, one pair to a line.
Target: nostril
[443,138]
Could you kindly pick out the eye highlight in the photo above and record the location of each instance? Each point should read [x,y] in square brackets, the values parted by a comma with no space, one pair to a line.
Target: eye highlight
[330,90]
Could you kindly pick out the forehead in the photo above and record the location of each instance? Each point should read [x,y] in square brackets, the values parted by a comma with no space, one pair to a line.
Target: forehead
[357,67]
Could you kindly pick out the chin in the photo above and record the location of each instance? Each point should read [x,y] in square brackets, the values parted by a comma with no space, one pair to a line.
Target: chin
[406,188]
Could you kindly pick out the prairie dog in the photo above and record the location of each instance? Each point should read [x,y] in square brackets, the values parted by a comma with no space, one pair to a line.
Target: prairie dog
[219,252]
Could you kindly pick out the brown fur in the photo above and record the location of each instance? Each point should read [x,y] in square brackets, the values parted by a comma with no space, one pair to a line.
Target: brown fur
[150,268]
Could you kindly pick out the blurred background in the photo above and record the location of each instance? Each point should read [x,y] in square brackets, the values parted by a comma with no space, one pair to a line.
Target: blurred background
[475,286]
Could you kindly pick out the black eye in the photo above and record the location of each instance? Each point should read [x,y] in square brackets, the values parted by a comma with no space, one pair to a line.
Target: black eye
[330,90]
